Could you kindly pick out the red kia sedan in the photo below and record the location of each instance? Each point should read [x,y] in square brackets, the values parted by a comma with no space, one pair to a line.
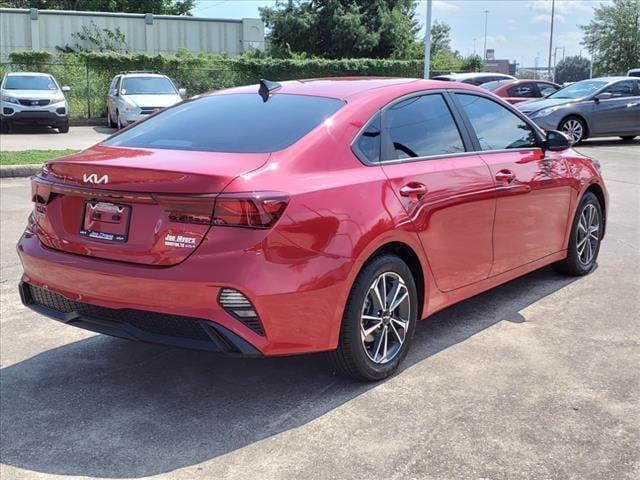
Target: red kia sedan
[319,215]
[518,91]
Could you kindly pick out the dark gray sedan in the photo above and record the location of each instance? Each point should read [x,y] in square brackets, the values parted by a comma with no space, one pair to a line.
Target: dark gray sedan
[608,106]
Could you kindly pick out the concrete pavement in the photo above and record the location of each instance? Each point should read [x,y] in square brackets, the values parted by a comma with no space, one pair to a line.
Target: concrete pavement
[539,378]
[41,138]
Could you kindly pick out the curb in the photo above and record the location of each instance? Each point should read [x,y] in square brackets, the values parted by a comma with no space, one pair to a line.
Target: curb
[9,171]
[88,122]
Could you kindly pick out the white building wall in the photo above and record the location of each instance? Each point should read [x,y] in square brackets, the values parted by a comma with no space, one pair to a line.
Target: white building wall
[24,29]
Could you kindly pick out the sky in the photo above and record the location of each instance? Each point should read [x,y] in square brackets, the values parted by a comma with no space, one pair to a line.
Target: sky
[518,30]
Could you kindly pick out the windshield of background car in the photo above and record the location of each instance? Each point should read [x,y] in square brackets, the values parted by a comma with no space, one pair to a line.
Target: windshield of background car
[147,86]
[493,86]
[233,123]
[579,89]
[29,82]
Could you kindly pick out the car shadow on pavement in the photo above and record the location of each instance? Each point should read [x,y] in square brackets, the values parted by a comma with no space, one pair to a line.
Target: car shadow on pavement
[104,407]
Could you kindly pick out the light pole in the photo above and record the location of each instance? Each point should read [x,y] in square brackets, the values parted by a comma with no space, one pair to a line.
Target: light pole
[486,19]
[427,41]
[553,11]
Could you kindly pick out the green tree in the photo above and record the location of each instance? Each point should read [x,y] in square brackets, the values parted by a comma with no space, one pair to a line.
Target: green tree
[472,63]
[572,69]
[341,28]
[159,7]
[613,37]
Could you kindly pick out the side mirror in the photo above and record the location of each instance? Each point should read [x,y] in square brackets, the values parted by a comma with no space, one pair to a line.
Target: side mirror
[603,96]
[66,89]
[557,141]
[182,92]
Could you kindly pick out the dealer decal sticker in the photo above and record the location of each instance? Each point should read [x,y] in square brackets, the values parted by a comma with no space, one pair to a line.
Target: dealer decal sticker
[179,241]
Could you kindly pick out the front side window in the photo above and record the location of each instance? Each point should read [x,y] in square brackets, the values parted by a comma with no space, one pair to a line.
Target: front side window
[496,127]
[621,89]
[30,82]
[147,86]
[422,126]
[368,143]
[525,90]
[233,123]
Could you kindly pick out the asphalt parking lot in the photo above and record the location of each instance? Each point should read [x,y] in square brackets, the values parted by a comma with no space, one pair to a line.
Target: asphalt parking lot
[45,138]
[539,378]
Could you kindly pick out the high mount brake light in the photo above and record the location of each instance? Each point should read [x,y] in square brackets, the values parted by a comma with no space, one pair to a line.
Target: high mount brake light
[248,210]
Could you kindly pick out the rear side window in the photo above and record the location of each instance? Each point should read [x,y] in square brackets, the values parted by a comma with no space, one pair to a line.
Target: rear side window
[496,127]
[233,123]
[524,90]
[422,126]
[368,143]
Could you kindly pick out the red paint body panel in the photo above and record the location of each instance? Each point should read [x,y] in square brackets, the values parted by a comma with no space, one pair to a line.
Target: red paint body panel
[503,90]
[468,231]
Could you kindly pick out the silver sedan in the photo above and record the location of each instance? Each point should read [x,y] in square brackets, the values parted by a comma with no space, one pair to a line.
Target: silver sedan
[599,107]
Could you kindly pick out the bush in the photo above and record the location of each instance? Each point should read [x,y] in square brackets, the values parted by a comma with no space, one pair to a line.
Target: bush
[89,73]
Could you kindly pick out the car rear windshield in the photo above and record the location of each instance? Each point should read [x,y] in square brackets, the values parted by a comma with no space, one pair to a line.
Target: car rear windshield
[147,86]
[232,123]
[29,82]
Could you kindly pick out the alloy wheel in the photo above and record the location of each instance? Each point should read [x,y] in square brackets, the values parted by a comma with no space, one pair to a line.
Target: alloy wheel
[385,317]
[588,234]
[574,129]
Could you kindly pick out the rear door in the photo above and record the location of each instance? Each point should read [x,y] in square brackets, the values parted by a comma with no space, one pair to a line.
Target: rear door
[619,114]
[446,190]
[533,190]
[522,92]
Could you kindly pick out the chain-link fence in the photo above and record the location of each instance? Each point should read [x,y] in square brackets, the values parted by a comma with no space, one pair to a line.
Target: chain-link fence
[89,83]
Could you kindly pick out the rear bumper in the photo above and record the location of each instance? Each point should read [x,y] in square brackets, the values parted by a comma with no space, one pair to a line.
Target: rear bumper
[298,313]
[171,330]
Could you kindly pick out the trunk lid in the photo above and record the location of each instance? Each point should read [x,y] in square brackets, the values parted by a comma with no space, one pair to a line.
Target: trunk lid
[134,205]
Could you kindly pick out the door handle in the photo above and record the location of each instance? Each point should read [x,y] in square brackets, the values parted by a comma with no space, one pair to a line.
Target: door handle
[413,190]
[505,176]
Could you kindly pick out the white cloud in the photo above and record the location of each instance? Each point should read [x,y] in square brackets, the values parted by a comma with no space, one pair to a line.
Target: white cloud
[544,18]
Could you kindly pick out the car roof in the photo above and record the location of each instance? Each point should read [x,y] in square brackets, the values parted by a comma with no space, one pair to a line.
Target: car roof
[141,74]
[464,76]
[31,74]
[612,79]
[333,87]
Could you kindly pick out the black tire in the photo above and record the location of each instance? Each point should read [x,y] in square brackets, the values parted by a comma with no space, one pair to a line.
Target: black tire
[628,138]
[64,127]
[351,356]
[4,126]
[565,126]
[110,123]
[574,264]
[119,126]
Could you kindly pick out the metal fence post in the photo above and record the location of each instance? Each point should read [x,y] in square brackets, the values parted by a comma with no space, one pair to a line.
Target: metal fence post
[88,90]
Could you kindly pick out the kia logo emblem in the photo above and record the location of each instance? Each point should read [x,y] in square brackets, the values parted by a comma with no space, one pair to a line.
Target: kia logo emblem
[93,178]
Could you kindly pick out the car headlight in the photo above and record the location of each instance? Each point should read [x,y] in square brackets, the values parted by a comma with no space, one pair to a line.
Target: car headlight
[8,99]
[129,107]
[58,98]
[544,112]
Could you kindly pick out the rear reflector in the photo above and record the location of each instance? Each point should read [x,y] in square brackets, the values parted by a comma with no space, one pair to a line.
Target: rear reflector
[239,306]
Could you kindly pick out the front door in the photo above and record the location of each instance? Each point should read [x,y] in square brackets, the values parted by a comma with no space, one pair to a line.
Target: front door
[533,191]
[619,114]
[447,191]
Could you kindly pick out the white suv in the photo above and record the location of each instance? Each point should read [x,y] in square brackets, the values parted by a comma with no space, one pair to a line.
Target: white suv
[33,98]
[133,96]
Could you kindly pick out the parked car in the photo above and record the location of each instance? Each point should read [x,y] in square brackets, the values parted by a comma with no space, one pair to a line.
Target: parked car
[599,107]
[516,91]
[135,95]
[634,72]
[321,215]
[31,98]
[474,78]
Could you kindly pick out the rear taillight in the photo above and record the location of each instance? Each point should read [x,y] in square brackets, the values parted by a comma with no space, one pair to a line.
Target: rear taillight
[196,209]
[250,210]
